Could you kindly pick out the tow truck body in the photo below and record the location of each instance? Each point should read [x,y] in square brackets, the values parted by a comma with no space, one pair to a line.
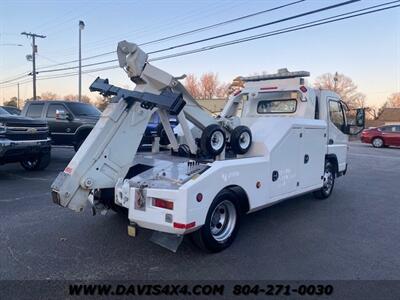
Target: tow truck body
[297,144]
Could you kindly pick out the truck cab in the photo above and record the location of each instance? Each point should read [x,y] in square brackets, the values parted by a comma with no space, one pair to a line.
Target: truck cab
[284,95]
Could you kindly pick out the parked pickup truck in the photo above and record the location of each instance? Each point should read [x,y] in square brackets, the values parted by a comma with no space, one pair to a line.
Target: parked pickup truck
[69,122]
[24,140]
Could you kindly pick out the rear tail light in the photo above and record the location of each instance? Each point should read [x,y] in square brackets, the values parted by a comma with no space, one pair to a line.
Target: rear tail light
[161,203]
[184,226]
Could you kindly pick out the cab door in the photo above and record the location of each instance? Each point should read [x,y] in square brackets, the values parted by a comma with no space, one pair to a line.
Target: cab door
[337,139]
[60,131]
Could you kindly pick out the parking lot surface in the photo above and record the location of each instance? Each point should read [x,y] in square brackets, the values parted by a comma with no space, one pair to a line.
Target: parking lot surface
[352,235]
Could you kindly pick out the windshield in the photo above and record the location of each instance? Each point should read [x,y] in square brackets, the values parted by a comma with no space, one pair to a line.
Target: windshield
[3,111]
[83,109]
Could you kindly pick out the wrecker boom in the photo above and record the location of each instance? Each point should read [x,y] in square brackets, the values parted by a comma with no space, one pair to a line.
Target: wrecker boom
[109,150]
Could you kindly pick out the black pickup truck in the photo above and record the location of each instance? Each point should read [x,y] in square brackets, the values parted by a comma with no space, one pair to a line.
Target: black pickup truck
[69,122]
[24,140]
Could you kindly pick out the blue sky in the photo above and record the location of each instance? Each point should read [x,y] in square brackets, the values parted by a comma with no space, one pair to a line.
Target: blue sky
[367,48]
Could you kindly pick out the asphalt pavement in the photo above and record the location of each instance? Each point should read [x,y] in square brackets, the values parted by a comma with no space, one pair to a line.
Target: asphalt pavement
[352,235]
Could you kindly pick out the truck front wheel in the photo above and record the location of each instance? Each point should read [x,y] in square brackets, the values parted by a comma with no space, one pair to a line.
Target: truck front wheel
[221,225]
[36,163]
[328,182]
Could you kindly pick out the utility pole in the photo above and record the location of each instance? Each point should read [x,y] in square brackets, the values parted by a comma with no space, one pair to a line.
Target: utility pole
[18,95]
[335,80]
[81,27]
[34,50]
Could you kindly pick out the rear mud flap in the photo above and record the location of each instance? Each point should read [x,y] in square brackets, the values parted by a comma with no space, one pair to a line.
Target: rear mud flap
[167,240]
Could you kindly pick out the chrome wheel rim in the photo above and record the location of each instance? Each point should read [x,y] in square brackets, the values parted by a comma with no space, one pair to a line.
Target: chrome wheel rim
[223,221]
[217,140]
[31,162]
[378,142]
[244,140]
[328,181]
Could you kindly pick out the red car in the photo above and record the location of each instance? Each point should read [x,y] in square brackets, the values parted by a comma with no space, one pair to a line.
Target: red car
[384,136]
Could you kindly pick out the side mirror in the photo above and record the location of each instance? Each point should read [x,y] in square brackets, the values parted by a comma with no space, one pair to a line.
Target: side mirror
[62,115]
[345,129]
[360,117]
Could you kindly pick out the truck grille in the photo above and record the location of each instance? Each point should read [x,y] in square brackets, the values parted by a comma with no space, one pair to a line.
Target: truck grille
[26,133]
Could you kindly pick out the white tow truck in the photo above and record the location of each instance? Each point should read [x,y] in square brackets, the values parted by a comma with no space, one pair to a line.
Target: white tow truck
[276,138]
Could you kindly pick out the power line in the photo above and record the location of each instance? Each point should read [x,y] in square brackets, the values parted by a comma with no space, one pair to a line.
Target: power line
[194,12]
[188,18]
[315,23]
[188,32]
[257,26]
[220,23]
[280,31]
[217,36]
[14,79]
[263,35]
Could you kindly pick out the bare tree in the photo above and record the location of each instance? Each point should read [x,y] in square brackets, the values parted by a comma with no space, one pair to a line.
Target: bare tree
[342,85]
[208,85]
[49,96]
[236,85]
[101,102]
[72,97]
[192,85]
[222,90]
[394,100]
[12,102]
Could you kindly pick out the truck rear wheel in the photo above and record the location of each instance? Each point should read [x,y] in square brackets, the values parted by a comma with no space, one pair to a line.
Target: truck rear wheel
[328,182]
[221,225]
[36,163]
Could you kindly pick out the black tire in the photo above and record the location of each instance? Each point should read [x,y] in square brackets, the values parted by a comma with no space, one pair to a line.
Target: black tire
[36,163]
[378,142]
[241,139]
[212,141]
[329,182]
[214,236]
